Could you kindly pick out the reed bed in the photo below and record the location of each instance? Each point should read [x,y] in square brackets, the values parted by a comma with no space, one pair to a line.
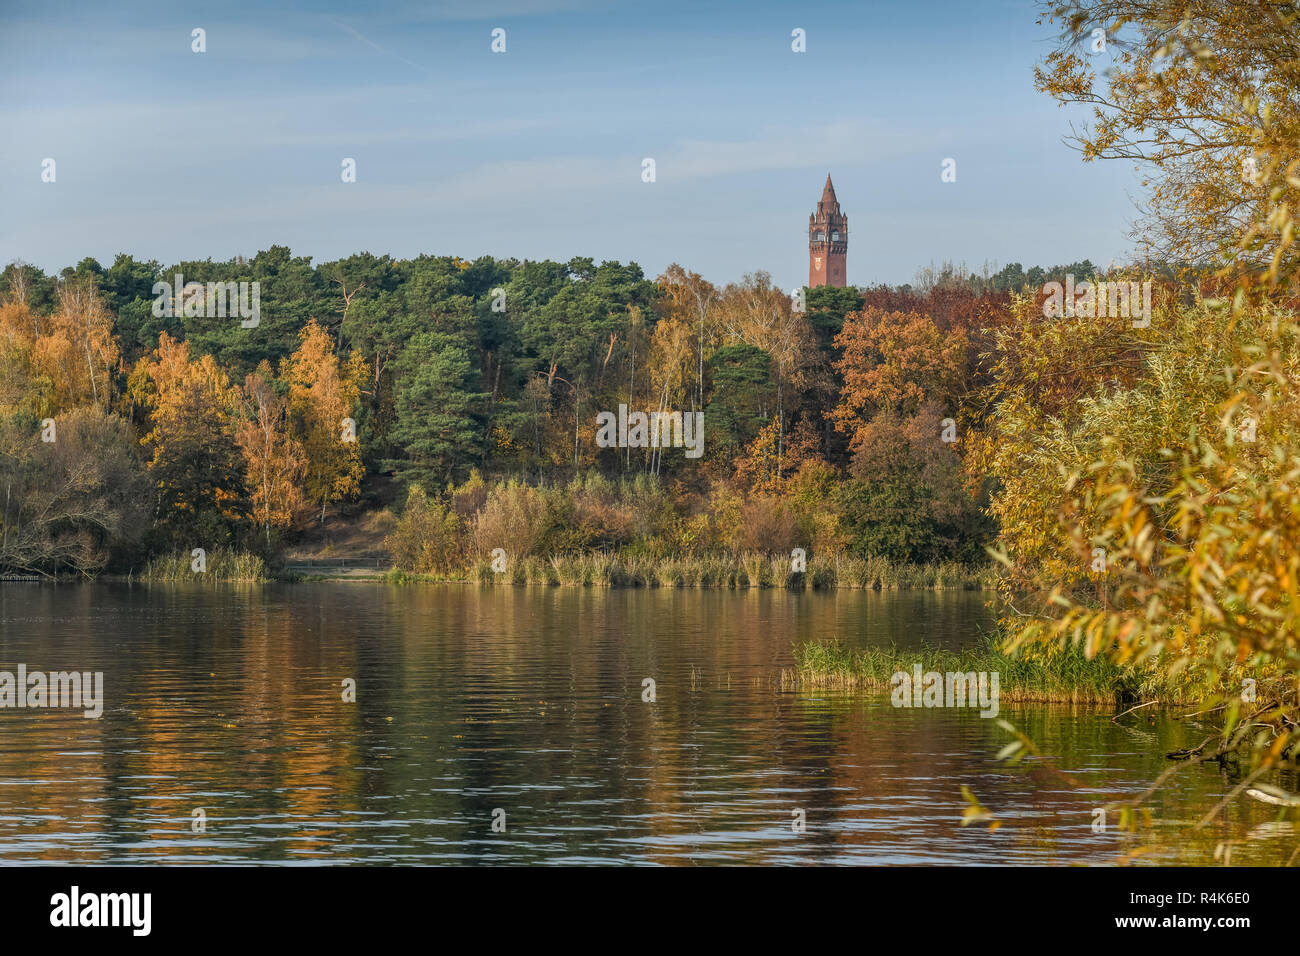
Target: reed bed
[1046,675]
[728,571]
[222,565]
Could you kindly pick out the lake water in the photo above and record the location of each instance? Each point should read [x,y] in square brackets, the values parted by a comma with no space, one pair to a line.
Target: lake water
[474,702]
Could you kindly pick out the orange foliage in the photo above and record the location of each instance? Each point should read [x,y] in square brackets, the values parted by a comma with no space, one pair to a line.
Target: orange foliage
[772,459]
[322,393]
[894,362]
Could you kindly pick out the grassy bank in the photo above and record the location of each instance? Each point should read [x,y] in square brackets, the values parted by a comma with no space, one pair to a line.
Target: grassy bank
[740,571]
[221,565]
[1059,676]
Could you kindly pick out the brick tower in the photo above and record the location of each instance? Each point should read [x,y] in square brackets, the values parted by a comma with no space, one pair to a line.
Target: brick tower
[828,241]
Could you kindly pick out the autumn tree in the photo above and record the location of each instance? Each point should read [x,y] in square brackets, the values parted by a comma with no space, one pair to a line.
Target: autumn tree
[768,462]
[81,345]
[64,359]
[21,388]
[690,299]
[672,373]
[1204,97]
[894,362]
[274,459]
[323,397]
[68,504]
[193,456]
[758,313]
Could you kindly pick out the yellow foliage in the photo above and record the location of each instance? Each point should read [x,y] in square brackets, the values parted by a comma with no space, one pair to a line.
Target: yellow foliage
[1186,481]
[322,394]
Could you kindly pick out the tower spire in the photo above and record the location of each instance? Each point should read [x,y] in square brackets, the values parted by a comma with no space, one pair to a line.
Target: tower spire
[828,192]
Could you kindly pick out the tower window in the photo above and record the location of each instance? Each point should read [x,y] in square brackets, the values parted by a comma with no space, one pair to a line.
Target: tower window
[821,236]
[835,236]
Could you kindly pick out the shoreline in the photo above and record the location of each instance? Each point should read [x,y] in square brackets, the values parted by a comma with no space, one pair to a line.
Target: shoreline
[722,571]
[395,577]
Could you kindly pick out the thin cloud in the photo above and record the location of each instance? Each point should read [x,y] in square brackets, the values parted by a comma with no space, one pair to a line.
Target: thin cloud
[371,43]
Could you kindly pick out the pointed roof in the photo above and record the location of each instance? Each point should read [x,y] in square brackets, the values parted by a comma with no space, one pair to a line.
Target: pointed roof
[828,193]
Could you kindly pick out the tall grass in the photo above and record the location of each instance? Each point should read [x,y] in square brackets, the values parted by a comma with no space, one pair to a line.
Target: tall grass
[221,565]
[1052,675]
[731,571]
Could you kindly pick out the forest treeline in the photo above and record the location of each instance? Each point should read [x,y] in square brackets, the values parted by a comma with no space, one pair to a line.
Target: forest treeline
[131,431]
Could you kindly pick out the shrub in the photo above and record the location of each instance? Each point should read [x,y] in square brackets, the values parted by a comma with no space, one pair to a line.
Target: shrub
[514,518]
[768,526]
[428,538]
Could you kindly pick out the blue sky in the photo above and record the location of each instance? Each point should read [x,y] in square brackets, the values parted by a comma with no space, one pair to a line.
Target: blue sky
[537,152]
